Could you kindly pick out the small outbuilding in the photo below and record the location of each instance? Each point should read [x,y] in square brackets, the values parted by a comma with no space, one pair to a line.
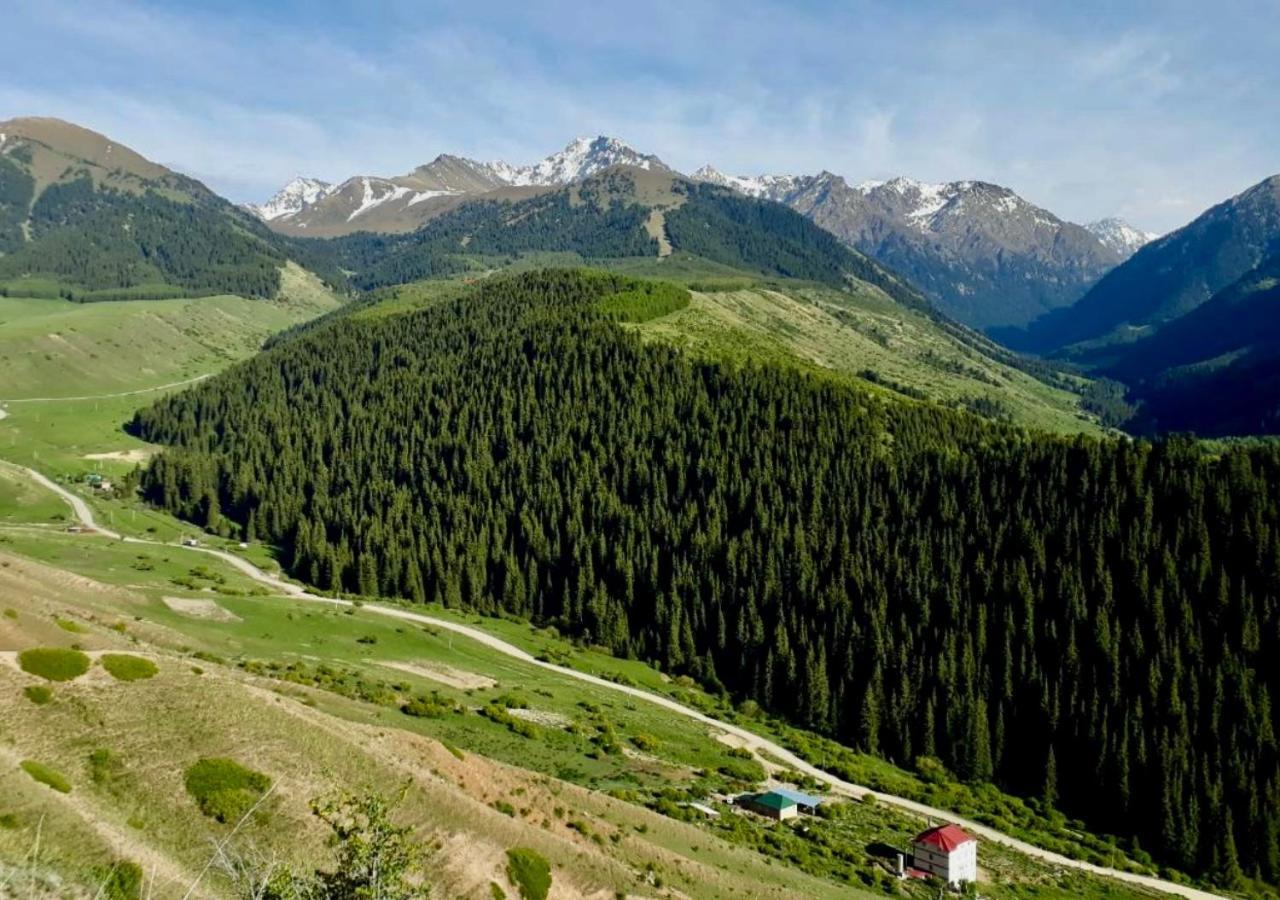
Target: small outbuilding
[807,803]
[947,852]
[770,804]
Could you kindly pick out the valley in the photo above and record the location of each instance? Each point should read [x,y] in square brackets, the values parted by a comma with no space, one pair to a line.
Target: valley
[567,503]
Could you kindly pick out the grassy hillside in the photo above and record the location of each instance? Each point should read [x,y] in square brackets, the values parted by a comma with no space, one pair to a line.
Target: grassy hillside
[84,218]
[866,337]
[593,782]
[52,348]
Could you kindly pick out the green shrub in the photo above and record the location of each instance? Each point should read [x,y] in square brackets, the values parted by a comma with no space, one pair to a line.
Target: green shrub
[54,663]
[9,821]
[124,667]
[46,776]
[223,789]
[743,770]
[103,765]
[38,694]
[496,891]
[645,742]
[426,707]
[122,881]
[10,612]
[530,872]
[73,627]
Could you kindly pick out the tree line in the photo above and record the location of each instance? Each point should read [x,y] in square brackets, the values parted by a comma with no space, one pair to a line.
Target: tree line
[1094,622]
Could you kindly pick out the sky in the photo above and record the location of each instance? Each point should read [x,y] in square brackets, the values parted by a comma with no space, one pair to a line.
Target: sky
[1149,111]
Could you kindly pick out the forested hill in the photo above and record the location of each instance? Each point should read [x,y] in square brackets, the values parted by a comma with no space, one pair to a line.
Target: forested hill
[84,218]
[611,215]
[1090,622]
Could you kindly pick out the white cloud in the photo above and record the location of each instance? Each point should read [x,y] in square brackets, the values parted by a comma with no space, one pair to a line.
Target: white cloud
[1087,126]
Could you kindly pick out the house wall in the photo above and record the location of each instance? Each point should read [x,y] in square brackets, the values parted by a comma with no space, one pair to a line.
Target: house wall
[953,868]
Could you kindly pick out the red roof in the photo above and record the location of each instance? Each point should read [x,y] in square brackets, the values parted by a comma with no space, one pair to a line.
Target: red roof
[945,837]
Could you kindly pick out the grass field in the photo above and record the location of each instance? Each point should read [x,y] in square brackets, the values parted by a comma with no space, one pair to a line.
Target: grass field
[856,336]
[52,348]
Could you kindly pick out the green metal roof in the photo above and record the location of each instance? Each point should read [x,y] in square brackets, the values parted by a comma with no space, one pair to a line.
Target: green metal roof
[773,800]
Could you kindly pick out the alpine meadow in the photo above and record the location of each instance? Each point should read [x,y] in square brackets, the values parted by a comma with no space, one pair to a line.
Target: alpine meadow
[903,521]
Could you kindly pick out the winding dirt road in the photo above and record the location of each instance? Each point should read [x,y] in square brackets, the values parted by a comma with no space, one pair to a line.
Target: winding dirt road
[158,387]
[749,739]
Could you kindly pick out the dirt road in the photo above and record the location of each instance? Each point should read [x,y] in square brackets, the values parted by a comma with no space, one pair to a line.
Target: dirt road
[750,739]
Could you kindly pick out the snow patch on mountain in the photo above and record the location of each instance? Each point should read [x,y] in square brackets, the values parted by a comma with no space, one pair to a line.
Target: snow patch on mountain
[292,198]
[376,193]
[769,187]
[1120,236]
[419,196]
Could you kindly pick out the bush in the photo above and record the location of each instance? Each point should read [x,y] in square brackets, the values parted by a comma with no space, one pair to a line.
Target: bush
[530,872]
[38,694]
[103,765]
[123,881]
[645,742]
[54,663]
[73,627]
[10,612]
[124,667]
[223,789]
[432,707]
[46,776]
[9,821]
[743,770]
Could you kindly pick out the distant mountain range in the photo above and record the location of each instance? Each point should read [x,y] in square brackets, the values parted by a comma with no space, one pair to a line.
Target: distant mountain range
[1165,279]
[983,254]
[1120,236]
[1190,323]
[308,206]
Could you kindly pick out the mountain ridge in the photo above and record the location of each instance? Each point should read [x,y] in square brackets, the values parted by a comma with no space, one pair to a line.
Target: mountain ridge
[85,217]
[405,202]
[1167,278]
[984,254]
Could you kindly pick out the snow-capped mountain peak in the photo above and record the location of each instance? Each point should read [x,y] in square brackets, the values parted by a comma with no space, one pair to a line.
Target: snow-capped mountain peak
[770,187]
[581,158]
[1120,236]
[290,199]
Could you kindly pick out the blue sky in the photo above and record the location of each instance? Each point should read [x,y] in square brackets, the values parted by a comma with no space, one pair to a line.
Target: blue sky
[1152,111]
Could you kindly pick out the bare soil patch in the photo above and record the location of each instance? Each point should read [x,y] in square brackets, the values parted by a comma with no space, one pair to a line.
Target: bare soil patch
[541,717]
[456,678]
[136,455]
[197,608]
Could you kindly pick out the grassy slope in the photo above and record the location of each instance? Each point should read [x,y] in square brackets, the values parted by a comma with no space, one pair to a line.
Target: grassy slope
[311,741]
[52,348]
[57,349]
[851,333]
[116,598]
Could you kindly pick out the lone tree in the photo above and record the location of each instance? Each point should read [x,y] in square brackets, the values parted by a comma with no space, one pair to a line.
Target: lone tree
[376,859]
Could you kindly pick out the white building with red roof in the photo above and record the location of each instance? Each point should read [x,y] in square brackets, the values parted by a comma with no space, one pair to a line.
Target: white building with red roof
[946,852]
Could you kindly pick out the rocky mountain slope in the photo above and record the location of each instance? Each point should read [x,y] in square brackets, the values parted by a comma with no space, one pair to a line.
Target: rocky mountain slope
[984,255]
[84,217]
[1120,236]
[405,202]
[1167,278]
[291,198]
